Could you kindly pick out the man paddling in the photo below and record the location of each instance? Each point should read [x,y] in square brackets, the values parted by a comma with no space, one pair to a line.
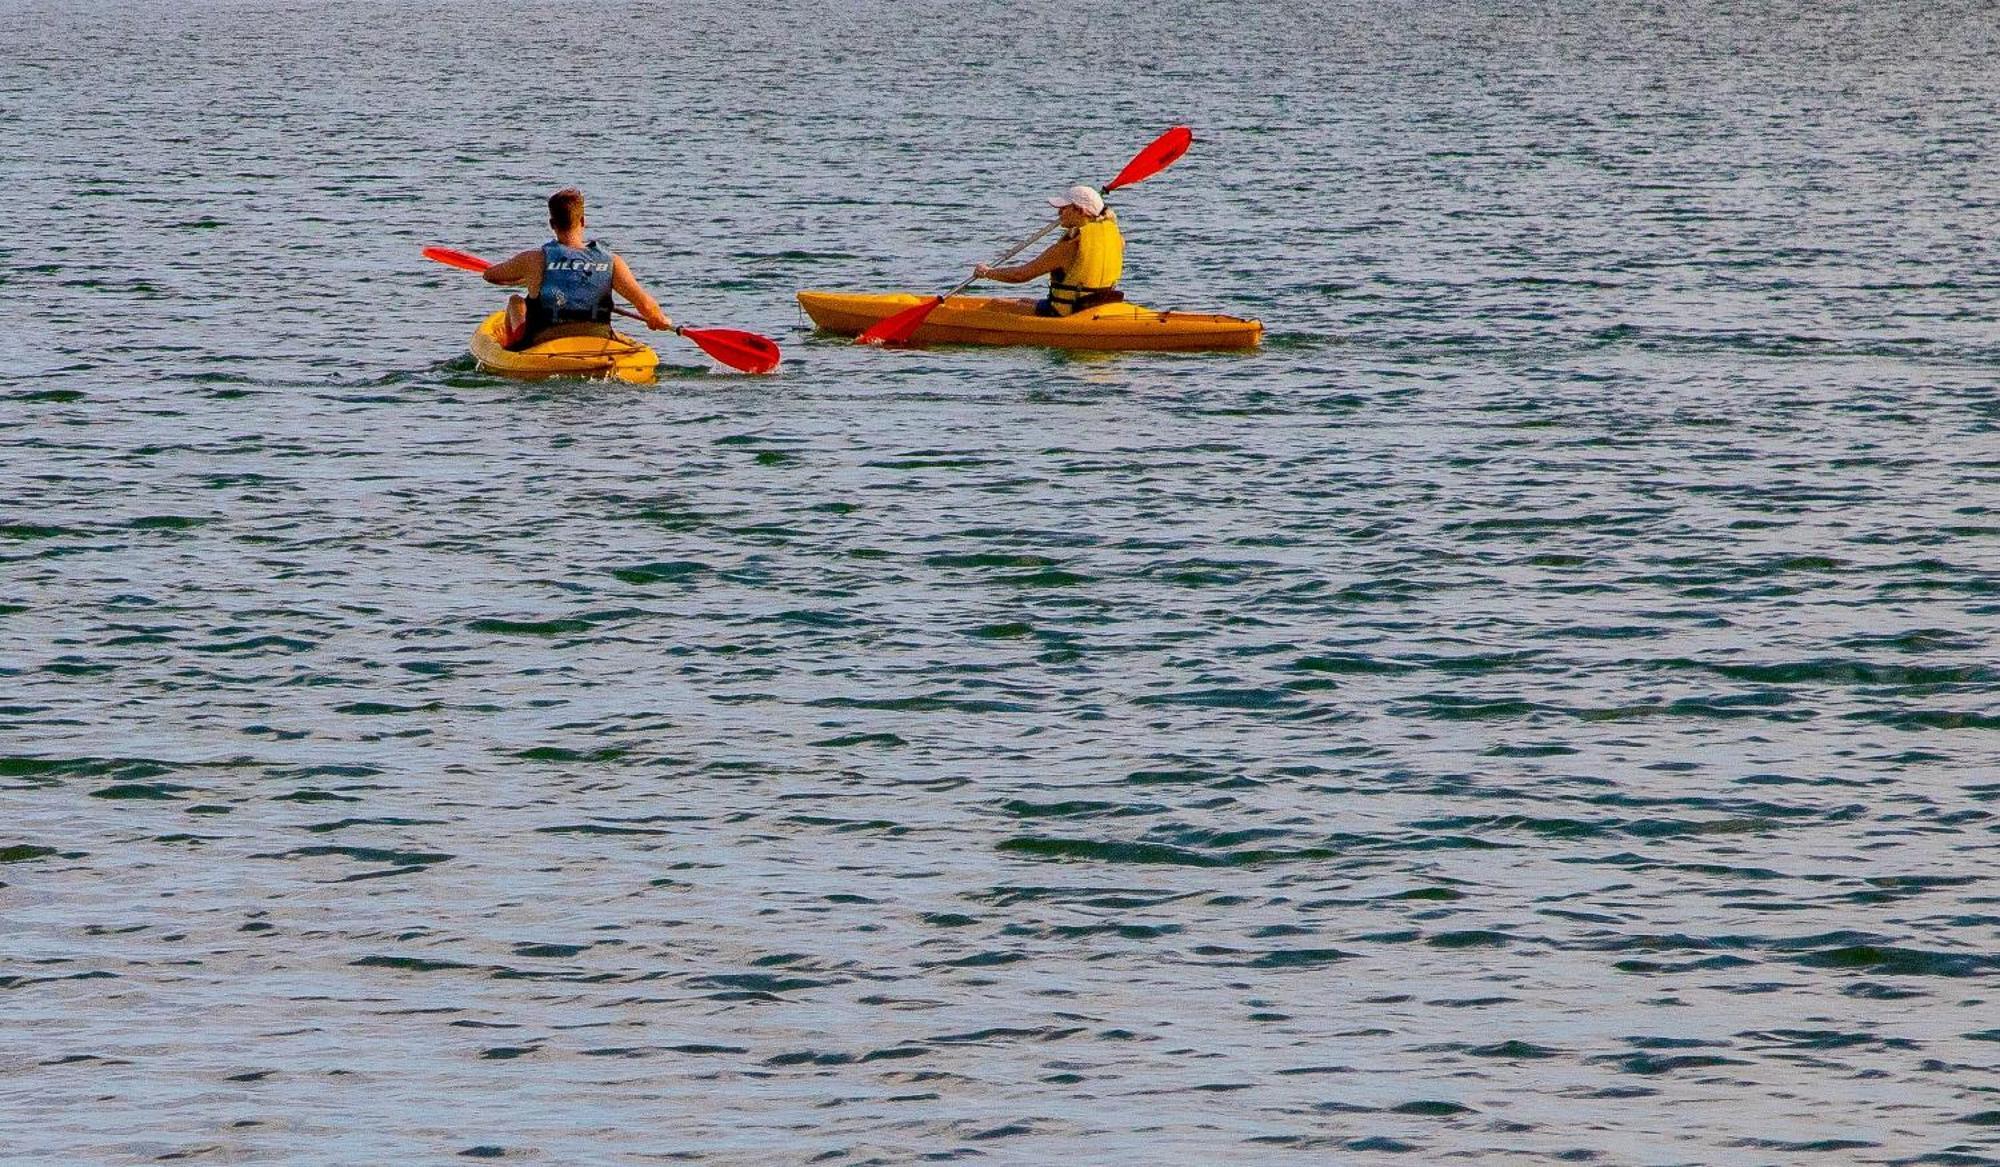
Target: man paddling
[570,282]
[1083,266]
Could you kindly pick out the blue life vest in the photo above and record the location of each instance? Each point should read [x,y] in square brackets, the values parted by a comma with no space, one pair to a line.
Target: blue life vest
[576,287]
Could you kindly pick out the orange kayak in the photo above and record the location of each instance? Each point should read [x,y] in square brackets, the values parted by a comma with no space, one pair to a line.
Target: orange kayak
[990,320]
[617,358]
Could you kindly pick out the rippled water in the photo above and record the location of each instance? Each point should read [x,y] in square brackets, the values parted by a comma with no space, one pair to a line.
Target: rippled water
[1541,707]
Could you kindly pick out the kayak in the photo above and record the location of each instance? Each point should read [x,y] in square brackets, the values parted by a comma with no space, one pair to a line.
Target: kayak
[992,320]
[618,357]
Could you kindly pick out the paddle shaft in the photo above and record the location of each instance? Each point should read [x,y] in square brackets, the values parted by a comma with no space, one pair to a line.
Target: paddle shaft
[1017,249]
[627,312]
[678,329]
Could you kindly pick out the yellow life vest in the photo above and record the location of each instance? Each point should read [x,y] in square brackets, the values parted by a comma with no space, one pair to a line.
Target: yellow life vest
[1100,260]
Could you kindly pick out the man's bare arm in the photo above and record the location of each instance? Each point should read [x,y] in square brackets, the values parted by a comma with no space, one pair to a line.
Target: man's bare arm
[623,284]
[523,270]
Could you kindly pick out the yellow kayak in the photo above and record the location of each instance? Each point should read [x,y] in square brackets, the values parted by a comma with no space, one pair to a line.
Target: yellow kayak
[618,357]
[989,320]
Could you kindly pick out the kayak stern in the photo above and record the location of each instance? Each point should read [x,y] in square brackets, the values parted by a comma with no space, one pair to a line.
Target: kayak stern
[617,358]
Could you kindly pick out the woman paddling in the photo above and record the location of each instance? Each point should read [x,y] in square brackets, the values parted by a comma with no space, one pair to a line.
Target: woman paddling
[1083,266]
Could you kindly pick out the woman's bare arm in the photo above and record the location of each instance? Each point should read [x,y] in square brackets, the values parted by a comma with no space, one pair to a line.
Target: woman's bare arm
[1061,254]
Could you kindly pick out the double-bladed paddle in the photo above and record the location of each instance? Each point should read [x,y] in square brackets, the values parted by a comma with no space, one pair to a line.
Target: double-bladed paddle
[1164,151]
[744,351]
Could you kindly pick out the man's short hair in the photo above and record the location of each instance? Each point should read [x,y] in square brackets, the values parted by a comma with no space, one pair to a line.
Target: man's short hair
[566,208]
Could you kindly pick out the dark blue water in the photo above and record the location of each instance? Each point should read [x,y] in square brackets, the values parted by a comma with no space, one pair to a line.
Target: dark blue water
[1543,707]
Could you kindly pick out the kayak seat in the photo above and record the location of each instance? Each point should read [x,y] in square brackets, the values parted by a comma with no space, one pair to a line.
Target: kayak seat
[1093,300]
[559,331]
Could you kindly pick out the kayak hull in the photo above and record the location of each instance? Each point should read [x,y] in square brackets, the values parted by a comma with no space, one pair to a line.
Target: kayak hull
[991,320]
[620,358]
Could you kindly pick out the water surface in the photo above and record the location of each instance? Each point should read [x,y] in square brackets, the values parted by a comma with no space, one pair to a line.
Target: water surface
[1540,708]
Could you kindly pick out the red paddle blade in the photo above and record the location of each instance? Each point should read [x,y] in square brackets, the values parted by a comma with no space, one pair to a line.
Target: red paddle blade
[898,329]
[744,351]
[453,257]
[1164,152]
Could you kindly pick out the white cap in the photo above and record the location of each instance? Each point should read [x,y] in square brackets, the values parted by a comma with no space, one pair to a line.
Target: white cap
[1082,198]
